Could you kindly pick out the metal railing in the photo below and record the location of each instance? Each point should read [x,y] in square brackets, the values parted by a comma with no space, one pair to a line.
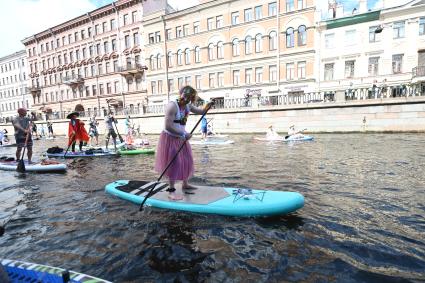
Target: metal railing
[132,67]
[418,71]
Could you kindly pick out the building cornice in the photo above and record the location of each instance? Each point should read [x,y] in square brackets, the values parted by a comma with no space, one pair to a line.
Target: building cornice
[81,20]
[13,56]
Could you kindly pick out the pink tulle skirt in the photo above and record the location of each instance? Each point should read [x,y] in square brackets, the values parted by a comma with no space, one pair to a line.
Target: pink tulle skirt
[182,167]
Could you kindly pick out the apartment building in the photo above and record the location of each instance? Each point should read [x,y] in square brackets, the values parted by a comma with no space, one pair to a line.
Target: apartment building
[86,62]
[381,47]
[231,49]
[13,85]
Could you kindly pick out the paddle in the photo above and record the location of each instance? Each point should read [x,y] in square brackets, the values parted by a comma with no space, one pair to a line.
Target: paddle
[21,165]
[115,123]
[286,137]
[152,192]
[72,141]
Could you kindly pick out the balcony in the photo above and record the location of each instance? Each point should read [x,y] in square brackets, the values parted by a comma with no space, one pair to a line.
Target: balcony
[73,80]
[418,74]
[34,89]
[132,69]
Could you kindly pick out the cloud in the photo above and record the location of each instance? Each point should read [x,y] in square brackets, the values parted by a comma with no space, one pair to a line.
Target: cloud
[180,5]
[22,18]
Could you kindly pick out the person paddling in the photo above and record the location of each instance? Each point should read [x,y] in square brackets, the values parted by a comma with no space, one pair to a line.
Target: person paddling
[172,137]
[76,131]
[293,133]
[110,131]
[271,133]
[22,129]
[93,133]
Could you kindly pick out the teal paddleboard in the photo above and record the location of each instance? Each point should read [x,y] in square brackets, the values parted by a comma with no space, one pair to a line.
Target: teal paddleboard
[136,151]
[212,200]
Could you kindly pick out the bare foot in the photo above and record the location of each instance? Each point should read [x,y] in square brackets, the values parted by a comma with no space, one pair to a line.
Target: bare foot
[174,196]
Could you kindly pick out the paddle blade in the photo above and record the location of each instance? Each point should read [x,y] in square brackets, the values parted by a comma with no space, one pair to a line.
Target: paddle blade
[21,166]
[121,139]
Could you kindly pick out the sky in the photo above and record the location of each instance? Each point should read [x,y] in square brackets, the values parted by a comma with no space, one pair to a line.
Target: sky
[22,18]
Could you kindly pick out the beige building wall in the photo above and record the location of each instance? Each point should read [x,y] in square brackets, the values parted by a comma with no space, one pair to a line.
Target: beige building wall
[215,73]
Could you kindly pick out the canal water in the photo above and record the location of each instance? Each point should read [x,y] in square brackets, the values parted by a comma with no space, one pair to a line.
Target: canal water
[363,219]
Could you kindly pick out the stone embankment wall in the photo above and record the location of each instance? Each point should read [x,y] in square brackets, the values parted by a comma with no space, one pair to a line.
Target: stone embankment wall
[395,115]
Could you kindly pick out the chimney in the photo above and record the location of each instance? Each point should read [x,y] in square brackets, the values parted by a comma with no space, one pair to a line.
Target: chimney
[362,6]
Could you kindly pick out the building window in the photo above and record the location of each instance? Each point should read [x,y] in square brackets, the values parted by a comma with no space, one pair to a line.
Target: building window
[113,24]
[272,73]
[196,28]
[114,44]
[127,41]
[329,71]
[106,47]
[152,63]
[258,11]
[116,87]
[235,47]
[185,30]
[290,5]
[179,32]
[302,35]
[373,66]
[219,21]
[198,81]
[100,68]
[220,79]
[134,16]
[258,43]
[289,71]
[104,27]
[170,58]
[107,67]
[136,38]
[329,40]
[220,50]
[300,4]
[235,18]
[349,69]
[248,76]
[179,57]
[158,61]
[350,37]
[160,86]
[301,70]
[125,19]
[272,9]
[100,89]
[398,30]
[187,56]
[373,36]
[157,36]
[236,77]
[421,26]
[94,91]
[248,45]
[248,15]
[259,75]
[151,38]
[180,82]
[290,37]
[108,88]
[211,80]
[168,34]
[153,87]
[197,54]
[273,40]
[397,63]
[210,23]
[211,52]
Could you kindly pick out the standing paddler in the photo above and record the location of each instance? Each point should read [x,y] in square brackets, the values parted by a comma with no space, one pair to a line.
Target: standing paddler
[171,139]
[23,136]
[76,131]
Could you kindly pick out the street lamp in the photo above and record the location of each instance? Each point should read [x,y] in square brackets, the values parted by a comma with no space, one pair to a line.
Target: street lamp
[379,29]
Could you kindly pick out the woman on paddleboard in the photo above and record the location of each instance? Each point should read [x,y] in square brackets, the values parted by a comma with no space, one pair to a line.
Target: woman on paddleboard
[172,137]
[76,131]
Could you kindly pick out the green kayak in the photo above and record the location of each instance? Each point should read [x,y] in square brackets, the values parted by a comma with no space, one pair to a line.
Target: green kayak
[136,151]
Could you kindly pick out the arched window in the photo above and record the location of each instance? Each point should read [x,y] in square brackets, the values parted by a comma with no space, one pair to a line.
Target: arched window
[302,35]
[152,62]
[272,40]
[179,57]
[235,47]
[290,37]
[211,52]
[220,50]
[248,45]
[197,54]
[170,58]
[158,61]
[258,43]
[187,56]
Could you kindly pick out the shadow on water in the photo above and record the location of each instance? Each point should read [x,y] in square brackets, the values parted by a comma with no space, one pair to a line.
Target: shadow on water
[363,219]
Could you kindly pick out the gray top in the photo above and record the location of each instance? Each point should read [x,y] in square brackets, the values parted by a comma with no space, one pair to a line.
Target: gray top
[109,122]
[20,123]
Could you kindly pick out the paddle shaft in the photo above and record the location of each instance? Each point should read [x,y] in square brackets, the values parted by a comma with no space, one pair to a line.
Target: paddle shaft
[21,165]
[151,192]
[72,141]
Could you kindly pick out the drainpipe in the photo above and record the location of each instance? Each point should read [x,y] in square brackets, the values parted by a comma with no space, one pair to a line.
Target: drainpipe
[166,59]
